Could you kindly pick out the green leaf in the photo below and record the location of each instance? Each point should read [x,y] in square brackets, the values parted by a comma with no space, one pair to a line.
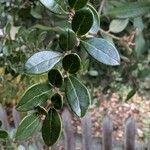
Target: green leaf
[77,96]
[57,101]
[96,21]
[51,128]
[47,28]
[130,9]
[74,63]
[77,4]
[42,61]
[29,125]
[140,43]
[34,96]
[3,134]
[68,40]
[118,25]
[131,94]
[55,6]
[82,21]
[41,110]
[55,78]
[102,51]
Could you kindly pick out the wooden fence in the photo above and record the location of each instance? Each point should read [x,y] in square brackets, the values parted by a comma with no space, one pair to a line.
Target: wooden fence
[84,141]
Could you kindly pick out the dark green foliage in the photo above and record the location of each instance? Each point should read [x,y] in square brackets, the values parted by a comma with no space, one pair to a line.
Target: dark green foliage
[41,110]
[64,36]
[77,4]
[34,96]
[57,101]
[55,78]
[29,125]
[82,21]
[51,128]
[77,95]
[71,63]
[67,40]
[3,134]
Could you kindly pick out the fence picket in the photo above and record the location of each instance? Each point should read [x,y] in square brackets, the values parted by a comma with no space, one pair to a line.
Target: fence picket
[86,132]
[130,133]
[107,133]
[69,138]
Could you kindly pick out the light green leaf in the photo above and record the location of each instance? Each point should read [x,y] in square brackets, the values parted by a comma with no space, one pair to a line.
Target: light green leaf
[51,128]
[96,21]
[55,6]
[130,9]
[118,25]
[42,61]
[34,96]
[29,125]
[77,96]
[102,51]
[140,44]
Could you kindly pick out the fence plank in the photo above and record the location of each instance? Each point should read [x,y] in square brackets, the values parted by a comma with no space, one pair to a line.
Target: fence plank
[16,117]
[107,133]
[69,138]
[86,125]
[4,119]
[130,133]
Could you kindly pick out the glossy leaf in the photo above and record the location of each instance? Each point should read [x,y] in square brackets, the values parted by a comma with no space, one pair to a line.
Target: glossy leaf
[96,21]
[77,96]
[57,101]
[3,134]
[51,128]
[82,21]
[77,4]
[29,125]
[34,96]
[68,40]
[130,9]
[118,25]
[71,63]
[131,94]
[55,78]
[102,51]
[55,6]
[41,110]
[42,62]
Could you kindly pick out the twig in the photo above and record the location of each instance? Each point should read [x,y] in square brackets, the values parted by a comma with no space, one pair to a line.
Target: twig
[101,6]
[109,34]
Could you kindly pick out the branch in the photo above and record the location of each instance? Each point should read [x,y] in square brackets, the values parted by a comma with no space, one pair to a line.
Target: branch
[101,7]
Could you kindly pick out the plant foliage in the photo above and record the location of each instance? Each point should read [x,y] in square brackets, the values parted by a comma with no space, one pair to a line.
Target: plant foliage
[53,44]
